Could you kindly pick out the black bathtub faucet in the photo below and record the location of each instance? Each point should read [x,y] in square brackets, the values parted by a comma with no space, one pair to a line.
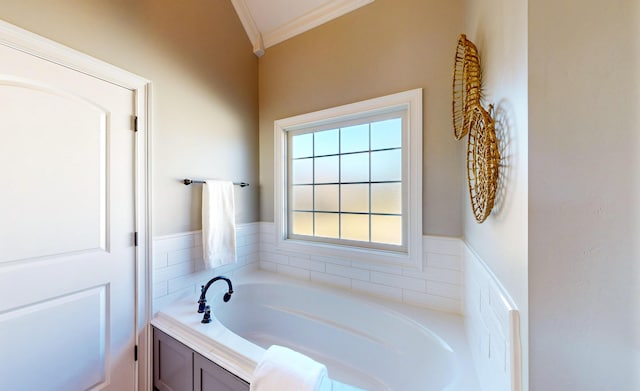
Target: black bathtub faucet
[202,307]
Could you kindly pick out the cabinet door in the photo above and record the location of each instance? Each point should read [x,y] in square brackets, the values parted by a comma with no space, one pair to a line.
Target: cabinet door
[208,376]
[172,364]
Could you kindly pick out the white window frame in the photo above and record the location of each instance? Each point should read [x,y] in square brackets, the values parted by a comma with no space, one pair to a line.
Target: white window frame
[409,101]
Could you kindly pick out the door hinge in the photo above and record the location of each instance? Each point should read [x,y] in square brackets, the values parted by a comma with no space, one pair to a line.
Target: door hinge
[135,353]
[135,239]
[135,123]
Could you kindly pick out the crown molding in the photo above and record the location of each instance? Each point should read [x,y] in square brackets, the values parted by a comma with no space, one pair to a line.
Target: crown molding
[262,40]
[315,18]
[250,27]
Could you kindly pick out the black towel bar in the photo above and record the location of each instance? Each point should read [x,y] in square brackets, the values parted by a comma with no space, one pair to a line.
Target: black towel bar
[188,181]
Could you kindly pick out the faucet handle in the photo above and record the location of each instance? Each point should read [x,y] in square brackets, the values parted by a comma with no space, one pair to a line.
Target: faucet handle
[201,304]
[207,315]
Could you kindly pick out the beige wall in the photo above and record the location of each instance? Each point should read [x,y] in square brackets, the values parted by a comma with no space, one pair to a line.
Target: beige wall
[584,192]
[499,29]
[204,75]
[385,47]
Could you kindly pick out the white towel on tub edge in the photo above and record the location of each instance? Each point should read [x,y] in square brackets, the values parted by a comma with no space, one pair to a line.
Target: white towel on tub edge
[283,369]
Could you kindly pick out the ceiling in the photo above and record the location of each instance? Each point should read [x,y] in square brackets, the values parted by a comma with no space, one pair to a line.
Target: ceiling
[269,22]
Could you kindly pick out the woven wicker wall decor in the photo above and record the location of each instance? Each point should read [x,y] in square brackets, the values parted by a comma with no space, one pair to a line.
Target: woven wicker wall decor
[483,159]
[470,118]
[466,85]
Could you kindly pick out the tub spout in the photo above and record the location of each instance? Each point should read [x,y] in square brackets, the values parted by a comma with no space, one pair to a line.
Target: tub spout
[202,302]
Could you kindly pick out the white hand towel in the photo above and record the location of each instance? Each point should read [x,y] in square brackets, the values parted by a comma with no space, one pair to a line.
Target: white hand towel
[218,224]
[282,369]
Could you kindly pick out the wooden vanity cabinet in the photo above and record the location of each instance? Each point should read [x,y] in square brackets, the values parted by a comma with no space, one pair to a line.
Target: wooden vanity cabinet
[178,368]
[209,376]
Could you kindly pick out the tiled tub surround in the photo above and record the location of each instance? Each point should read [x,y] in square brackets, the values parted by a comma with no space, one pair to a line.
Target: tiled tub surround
[178,270]
[492,325]
[372,343]
[438,286]
[454,279]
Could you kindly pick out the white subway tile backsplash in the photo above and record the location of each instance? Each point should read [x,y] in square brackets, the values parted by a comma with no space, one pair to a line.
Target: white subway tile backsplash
[160,289]
[330,279]
[443,289]
[436,274]
[421,299]
[242,251]
[308,264]
[195,279]
[249,258]
[178,267]
[185,255]
[267,247]
[269,266]
[274,257]
[347,271]
[378,268]
[249,239]
[337,261]
[160,260]
[178,258]
[294,272]
[452,278]
[444,261]
[410,283]
[174,271]
[387,292]
[492,326]
[174,242]
[163,301]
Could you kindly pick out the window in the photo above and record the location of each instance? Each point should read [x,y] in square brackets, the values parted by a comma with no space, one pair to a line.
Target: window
[348,180]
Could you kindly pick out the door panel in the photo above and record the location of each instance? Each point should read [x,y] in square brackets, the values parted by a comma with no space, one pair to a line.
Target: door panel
[67,259]
[82,343]
[75,201]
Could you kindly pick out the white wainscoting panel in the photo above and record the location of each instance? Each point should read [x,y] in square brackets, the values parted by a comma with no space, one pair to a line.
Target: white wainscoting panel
[178,268]
[439,285]
[492,324]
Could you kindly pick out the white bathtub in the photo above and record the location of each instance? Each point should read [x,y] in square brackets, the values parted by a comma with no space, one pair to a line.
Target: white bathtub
[366,342]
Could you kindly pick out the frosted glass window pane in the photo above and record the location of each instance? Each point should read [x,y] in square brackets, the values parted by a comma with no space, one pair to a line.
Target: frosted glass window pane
[386,198]
[327,225]
[302,197]
[354,138]
[302,171]
[386,165]
[327,198]
[327,169]
[386,229]
[327,142]
[302,145]
[386,134]
[355,167]
[302,223]
[355,227]
[355,198]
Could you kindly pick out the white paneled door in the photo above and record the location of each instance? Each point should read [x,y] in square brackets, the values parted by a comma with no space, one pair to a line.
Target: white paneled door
[67,254]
